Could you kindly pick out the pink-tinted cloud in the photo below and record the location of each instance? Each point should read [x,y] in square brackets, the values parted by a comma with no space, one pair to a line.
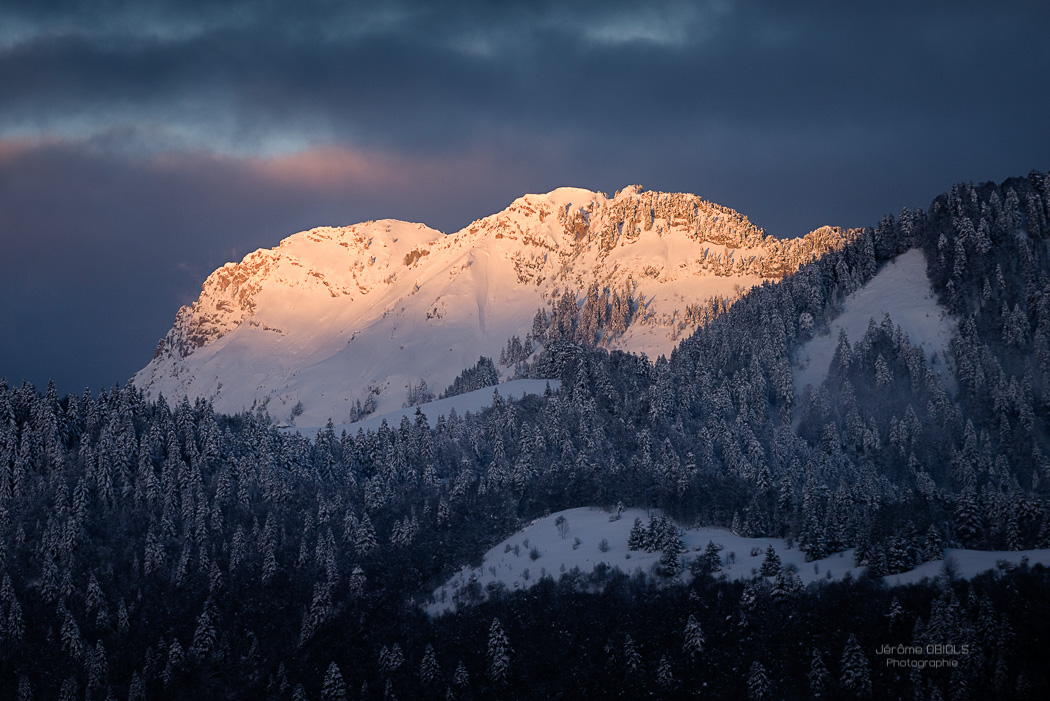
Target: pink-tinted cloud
[340,168]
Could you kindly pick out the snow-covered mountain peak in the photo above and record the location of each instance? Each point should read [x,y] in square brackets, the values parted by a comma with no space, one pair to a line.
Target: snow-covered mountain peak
[334,316]
[334,262]
[573,197]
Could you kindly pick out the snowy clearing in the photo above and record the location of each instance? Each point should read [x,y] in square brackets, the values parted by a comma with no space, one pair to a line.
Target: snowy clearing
[970,563]
[473,402]
[902,290]
[511,562]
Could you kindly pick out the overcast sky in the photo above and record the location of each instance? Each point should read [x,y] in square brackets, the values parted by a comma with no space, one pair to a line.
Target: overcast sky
[145,143]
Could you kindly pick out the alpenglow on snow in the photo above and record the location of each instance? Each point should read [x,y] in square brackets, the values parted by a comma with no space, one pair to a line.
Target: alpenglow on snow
[337,323]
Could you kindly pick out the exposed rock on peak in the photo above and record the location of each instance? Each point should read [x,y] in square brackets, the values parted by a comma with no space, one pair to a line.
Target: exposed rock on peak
[334,315]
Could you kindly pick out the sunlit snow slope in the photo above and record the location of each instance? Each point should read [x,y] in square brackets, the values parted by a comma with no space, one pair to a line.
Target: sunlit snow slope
[334,315]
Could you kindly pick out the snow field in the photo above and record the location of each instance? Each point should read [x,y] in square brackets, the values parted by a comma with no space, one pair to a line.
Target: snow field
[588,537]
[970,563]
[337,315]
[902,290]
[473,402]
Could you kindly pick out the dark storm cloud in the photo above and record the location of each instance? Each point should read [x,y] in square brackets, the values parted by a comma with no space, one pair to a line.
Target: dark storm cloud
[142,144]
[433,75]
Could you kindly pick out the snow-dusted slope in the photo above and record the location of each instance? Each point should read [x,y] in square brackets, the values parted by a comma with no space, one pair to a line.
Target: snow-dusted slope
[472,402]
[333,315]
[901,290]
[511,562]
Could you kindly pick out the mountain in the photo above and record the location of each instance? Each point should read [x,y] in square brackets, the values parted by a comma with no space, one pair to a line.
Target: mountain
[340,322]
[161,549]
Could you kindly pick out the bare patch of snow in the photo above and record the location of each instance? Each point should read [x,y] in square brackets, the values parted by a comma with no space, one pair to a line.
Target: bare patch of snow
[902,290]
[473,402]
[588,536]
[966,564]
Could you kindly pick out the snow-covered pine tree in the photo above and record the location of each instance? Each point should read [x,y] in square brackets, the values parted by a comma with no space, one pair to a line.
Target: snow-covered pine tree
[856,674]
[365,536]
[72,642]
[632,659]
[429,670]
[969,528]
[636,538]
[498,655]
[693,644]
[206,634]
[176,662]
[25,689]
[664,674]
[12,625]
[708,563]
[670,542]
[461,678]
[333,687]
[758,684]
[771,563]
[818,676]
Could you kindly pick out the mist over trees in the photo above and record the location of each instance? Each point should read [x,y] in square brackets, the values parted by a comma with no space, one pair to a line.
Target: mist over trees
[156,550]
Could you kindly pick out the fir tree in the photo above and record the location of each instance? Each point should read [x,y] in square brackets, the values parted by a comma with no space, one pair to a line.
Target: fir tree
[498,654]
[632,659]
[758,685]
[12,625]
[176,661]
[671,559]
[968,526]
[429,668]
[933,547]
[461,678]
[664,674]
[636,538]
[710,562]
[856,675]
[818,675]
[365,537]
[334,688]
[69,691]
[70,632]
[694,639]
[206,634]
[25,689]
[771,563]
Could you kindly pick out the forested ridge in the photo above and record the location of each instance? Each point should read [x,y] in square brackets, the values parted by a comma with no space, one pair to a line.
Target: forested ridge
[156,550]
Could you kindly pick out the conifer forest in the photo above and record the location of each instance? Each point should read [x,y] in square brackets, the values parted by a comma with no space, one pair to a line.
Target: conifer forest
[162,550]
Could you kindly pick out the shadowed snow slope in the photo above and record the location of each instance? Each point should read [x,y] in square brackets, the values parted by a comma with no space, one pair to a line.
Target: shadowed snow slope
[511,563]
[901,290]
[333,316]
[473,402]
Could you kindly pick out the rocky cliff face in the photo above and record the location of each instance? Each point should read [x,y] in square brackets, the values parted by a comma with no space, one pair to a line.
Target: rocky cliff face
[333,316]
